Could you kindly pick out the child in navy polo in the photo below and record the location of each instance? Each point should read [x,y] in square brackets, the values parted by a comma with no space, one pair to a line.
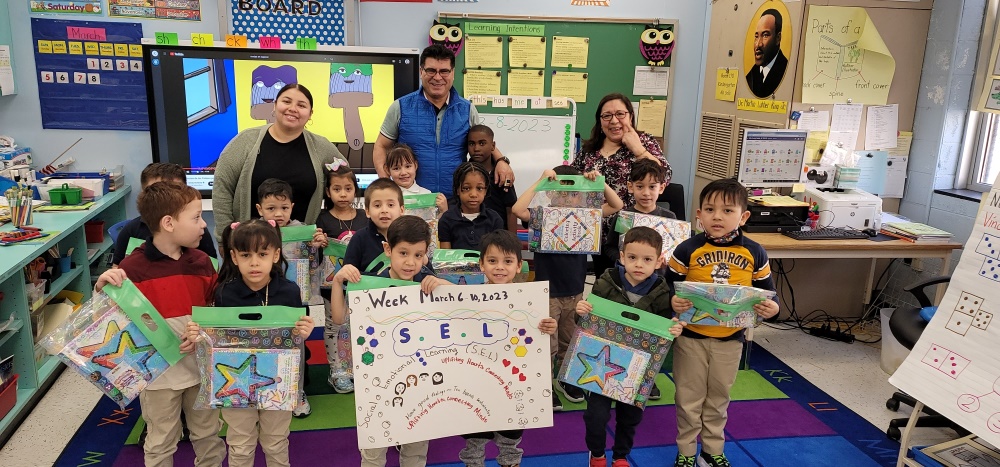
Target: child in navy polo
[466,222]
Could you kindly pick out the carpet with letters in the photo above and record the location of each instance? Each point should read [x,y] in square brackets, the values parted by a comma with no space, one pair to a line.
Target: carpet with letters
[777,418]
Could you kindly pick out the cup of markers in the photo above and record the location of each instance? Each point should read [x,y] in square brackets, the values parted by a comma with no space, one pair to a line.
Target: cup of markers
[19,199]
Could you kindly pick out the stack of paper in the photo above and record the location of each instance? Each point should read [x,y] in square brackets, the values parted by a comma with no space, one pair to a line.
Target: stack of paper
[915,232]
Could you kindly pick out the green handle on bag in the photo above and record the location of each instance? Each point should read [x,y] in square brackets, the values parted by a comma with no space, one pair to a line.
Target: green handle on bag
[639,319]
[709,306]
[335,248]
[137,307]
[374,282]
[246,316]
[378,264]
[572,183]
[426,200]
[456,255]
[297,233]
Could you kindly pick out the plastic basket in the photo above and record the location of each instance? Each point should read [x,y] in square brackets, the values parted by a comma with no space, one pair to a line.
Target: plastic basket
[94,231]
[8,397]
[66,195]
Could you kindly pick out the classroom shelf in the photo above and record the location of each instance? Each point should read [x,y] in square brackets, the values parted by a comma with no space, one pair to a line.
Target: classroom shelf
[11,331]
[67,231]
[101,248]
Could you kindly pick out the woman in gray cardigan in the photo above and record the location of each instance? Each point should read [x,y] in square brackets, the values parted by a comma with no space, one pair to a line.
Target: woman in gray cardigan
[283,150]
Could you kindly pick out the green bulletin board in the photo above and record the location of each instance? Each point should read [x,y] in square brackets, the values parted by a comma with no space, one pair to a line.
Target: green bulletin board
[612,58]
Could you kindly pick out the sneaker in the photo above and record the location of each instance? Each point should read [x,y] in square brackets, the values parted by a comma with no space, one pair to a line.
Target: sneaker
[654,394]
[598,461]
[684,461]
[572,393]
[303,410]
[556,403]
[619,463]
[343,385]
[708,460]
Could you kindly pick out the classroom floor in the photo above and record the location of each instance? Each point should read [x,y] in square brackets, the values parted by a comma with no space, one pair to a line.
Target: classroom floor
[848,372]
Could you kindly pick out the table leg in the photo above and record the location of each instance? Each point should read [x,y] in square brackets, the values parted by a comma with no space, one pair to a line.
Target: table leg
[868,284]
[945,270]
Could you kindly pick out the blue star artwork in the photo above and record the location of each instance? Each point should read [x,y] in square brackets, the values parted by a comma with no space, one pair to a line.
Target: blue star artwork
[602,366]
[244,378]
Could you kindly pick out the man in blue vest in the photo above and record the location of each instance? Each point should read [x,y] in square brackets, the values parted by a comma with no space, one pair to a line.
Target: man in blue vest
[434,121]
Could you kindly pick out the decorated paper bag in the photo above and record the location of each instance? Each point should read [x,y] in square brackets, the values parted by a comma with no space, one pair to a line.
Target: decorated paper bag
[617,351]
[304,262]
[333,260]
[673,231]
[425,207]
[566,215]
[248,357]
[725,305]
[458,266]
[111,341]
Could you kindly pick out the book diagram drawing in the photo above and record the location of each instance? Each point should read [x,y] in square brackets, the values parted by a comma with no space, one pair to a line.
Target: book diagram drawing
[989,247]
[847,59]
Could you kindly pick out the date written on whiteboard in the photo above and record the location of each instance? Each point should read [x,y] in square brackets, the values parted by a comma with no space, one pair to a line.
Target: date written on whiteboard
[523,125]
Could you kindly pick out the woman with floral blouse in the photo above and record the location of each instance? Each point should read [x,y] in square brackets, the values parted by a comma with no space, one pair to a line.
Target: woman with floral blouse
[613,146]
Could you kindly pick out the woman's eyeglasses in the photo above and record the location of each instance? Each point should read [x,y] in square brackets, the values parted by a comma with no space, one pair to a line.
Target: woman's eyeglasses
[619,115]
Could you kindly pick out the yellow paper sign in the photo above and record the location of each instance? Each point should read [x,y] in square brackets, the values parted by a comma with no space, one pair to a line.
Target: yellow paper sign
[202,39]
[526,83]
[483,51]
[121,50]
[846,56]
[76,48]
[44,47]
[135,50]
[815,141]
[58,47]
[762,105]
[91,48]
[570,84]
[481,82]
[570,51]
[107,50]
[725,84]
[526,52]
[652,114]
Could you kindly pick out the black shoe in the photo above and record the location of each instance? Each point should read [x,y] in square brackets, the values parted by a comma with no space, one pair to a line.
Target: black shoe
[556,403]
[572,393]
[654,394]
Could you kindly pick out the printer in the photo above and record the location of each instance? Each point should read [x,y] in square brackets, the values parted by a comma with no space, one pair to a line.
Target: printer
[775,214]
[856,209]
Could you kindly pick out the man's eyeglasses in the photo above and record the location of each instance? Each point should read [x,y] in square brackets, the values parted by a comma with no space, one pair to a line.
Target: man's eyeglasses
[619,115]
[444,72]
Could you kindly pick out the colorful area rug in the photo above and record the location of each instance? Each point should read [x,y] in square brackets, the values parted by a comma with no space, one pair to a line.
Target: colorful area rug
[777,418]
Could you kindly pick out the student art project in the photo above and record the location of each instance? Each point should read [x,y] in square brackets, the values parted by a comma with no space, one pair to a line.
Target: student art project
[458,267]
[617,351]
[304,262]
[673,231]
[725,305]
[109,342]
[566,215]
[333,260]
[464,359]
[248,357]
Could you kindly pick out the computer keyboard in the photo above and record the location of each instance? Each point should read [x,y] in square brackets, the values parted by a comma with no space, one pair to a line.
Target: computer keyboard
[827,233]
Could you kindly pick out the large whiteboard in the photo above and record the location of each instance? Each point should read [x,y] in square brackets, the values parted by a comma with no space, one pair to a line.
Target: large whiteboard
[533,143]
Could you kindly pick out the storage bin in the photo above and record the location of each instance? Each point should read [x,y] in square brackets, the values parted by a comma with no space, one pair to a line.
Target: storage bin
[8,397]
[94,231]
[893,353]
[66,195]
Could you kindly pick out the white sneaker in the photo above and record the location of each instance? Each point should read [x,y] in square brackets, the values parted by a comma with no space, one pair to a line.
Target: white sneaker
[303,410]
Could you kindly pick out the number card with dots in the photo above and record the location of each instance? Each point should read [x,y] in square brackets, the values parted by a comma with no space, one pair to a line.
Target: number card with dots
[90,74]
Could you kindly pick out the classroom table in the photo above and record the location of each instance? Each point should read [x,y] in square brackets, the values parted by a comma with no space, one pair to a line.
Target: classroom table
[780,246]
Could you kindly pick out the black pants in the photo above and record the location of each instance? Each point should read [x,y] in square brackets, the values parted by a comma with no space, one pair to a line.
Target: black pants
[596,418]
[509,434]
[601,263]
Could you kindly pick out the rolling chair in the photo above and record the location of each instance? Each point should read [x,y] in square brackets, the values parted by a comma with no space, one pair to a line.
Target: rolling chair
[906,325]
[672,198]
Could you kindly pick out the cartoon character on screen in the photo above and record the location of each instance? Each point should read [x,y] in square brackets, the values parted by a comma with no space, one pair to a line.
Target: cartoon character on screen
[656,44]
[351,89]
[448,35]
[265,84]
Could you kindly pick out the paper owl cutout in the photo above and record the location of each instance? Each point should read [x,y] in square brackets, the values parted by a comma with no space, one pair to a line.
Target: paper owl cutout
[448,35]
[656,44]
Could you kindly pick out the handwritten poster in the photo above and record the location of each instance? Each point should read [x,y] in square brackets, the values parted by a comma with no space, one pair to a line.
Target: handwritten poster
[845,58]
[526,83]
[570,84]
[483,51]
[570,51]
[484,82]
[725,84]
[954,368]
[464,359]
[526,52]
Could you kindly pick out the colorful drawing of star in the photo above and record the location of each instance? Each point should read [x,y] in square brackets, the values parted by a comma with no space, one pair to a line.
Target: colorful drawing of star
[242,381]
[123,351]
[598,368]
[89,350]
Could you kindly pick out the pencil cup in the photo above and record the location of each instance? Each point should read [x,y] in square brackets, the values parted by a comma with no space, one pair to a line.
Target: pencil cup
[21,215]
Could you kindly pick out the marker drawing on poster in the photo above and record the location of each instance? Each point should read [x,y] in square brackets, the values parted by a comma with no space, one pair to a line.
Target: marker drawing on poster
[464,359]
[954,368]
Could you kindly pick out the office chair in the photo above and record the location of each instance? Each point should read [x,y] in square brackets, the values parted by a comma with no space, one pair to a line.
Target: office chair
[672,198]
[906,325]
[116,229]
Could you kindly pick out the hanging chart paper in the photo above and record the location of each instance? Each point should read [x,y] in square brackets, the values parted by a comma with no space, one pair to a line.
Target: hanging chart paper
[483,51]
[526,83]
[844,58]
[526,52]
[464,359]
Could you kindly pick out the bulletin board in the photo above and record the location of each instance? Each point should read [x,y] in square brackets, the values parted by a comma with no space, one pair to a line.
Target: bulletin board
[90,75]
[614,53]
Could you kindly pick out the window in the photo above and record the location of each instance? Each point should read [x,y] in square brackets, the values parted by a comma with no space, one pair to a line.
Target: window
[199,88]
[986,152]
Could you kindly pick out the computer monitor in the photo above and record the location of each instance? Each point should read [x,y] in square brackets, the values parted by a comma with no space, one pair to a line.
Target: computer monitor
[772,158]
[201,97]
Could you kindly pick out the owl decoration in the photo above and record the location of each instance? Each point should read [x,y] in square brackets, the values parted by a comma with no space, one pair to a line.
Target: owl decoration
[656,44]
[448,35]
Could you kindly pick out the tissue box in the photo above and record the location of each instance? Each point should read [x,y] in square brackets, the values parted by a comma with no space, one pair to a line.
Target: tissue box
[248,357]
[458,267]
[846,177]
[617,351]
[725,305]
[673,231]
